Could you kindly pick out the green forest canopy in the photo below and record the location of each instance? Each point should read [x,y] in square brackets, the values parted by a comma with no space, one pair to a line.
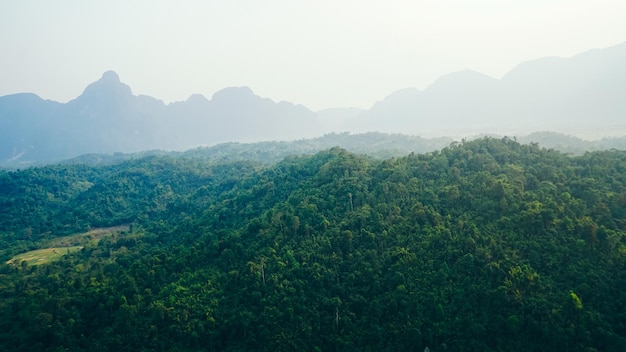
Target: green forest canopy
[485,245]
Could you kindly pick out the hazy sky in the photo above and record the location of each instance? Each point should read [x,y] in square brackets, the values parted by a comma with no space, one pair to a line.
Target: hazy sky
[321,54]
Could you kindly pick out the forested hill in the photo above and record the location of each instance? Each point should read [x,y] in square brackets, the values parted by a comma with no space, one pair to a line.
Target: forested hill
[374,144]
[378,145]
[486,245]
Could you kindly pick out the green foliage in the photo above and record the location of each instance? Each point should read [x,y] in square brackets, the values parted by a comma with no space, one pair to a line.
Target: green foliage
[485,245]
[578,303]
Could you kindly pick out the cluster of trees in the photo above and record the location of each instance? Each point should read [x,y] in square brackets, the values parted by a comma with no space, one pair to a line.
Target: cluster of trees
[485,245]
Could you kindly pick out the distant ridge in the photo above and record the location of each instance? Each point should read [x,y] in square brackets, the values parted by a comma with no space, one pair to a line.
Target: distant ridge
[108,118]
[584,96]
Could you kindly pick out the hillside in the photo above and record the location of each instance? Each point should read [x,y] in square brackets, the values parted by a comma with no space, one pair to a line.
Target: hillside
[485,245]
[377,145]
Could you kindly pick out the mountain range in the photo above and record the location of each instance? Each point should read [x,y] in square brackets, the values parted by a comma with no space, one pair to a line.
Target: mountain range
[108,118]
[584,95]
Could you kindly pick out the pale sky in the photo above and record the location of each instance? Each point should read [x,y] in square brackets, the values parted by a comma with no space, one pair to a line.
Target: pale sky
[322,53]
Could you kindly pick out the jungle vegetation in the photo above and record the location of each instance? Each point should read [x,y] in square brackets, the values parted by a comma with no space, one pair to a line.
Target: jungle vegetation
[485,245]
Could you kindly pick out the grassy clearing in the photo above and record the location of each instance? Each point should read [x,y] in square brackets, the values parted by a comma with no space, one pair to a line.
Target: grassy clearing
[60,246]
[43,256]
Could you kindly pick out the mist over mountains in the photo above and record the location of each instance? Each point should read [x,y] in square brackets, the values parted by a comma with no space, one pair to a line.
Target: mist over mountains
[108,118]
[584,95]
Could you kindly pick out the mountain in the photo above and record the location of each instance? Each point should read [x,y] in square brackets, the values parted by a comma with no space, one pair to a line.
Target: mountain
[486,245]
[583,95]
[107,117]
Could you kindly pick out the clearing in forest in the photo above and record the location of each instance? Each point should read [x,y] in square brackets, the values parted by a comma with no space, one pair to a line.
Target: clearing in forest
[60,246]
[43,256]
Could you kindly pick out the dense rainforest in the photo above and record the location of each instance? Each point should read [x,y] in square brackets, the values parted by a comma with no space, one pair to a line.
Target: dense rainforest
[485,245]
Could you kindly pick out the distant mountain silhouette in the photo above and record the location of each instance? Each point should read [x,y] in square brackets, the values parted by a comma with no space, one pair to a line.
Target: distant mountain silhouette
[585,94]
[108,118]
[582,95]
